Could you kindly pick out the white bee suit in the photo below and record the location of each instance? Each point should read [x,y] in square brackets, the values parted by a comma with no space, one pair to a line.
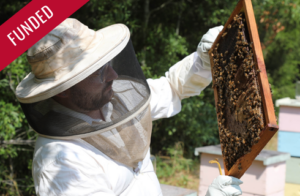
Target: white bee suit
[74,167]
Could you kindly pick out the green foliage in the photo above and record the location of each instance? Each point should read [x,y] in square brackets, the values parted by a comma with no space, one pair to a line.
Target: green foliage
[163,32]
[15,177]
[279,31]
[172,165]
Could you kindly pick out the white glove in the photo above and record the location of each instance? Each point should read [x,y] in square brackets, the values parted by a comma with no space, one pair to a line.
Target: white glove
[224,186]
[206,43]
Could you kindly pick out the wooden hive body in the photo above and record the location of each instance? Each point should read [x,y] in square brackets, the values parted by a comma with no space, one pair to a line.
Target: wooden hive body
[243,97]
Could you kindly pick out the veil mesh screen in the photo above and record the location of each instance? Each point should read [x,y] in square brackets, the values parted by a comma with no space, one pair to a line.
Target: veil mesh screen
[125,133]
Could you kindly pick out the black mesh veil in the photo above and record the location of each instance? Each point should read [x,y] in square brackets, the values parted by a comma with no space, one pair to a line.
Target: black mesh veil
[123,133]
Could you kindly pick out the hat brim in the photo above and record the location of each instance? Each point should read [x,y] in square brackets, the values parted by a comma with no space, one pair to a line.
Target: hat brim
[109,42]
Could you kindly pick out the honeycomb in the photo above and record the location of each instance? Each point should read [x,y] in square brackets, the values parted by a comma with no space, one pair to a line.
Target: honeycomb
[239,105]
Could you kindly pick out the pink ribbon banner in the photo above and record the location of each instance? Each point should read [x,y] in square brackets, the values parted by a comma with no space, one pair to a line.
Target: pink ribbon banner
[31,24]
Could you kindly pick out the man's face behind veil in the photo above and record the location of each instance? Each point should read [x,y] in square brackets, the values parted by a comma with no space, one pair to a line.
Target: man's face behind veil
[92,94]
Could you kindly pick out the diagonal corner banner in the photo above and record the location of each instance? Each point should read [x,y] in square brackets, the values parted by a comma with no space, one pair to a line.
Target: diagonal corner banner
[31,24]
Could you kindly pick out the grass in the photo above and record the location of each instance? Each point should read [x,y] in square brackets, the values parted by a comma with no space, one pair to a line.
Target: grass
[176,170]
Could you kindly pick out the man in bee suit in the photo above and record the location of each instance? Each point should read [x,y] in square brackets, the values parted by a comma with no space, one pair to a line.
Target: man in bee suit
[92,107]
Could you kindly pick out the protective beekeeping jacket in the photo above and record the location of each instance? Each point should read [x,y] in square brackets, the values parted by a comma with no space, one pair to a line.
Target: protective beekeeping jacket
[75,167]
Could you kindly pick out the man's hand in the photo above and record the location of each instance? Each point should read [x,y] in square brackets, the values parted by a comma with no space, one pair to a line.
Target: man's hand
[224,186]
[206,43]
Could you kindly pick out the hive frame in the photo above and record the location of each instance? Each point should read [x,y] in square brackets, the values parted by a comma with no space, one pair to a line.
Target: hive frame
[269,114]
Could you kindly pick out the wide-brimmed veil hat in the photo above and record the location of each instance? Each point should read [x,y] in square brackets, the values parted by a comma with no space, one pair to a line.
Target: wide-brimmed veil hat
[72,53]
[66,56]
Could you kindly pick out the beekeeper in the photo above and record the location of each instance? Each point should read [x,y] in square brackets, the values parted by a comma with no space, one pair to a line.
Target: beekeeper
[92,107]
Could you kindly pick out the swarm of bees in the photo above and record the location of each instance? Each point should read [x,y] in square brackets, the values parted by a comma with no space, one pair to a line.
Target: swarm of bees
[239,106]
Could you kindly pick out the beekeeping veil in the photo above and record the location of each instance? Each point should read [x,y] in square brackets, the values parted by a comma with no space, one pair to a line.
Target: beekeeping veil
[88,85]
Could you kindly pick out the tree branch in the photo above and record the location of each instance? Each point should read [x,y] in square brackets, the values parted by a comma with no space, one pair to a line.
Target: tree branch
[10,82]
[17,142]
[161,6]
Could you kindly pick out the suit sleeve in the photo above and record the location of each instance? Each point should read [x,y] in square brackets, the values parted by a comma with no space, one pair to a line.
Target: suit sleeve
[186,78]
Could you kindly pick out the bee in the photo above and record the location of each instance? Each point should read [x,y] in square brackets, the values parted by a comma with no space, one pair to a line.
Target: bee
[258,71]
[212,54]
[237,138]
[258,98]
[255,102]
[229,26]
[249,148]
[258,132]
[251,112]
[261,124]
[248,151]
[216,60]
[235,18]
[228,134]
[249,120]
[224,34]
[244,141]
[240,167]
[226,52]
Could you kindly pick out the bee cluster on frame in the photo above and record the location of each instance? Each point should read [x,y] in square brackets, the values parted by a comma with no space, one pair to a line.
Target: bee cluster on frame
[239,105]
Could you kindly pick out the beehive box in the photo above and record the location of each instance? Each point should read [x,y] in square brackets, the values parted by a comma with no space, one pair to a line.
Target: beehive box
[289,133]
[243,99]
[266,176]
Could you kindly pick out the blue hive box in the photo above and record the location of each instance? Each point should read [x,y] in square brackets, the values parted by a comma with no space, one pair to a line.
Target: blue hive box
[289,142]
